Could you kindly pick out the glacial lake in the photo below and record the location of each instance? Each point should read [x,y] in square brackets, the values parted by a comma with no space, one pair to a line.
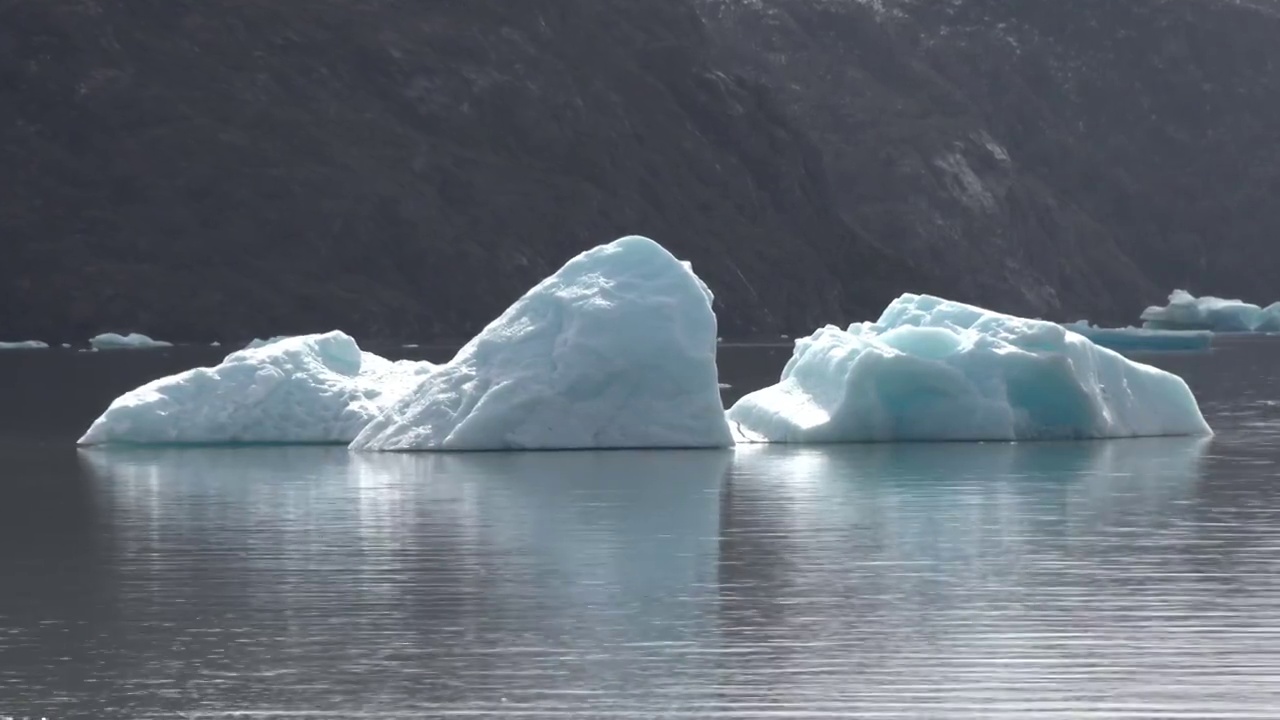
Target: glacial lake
[1124,579]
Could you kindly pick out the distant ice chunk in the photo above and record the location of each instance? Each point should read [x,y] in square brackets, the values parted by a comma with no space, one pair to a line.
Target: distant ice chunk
[615,350]
[306,389]
[1131,338]
[1188,312]
[1269,322]
[931,369]
[24,345]
[259,342]
[132,341]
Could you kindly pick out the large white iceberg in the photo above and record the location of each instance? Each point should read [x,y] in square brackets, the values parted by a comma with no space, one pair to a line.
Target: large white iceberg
[615,350]
[132,341]
[24,345]
[931,369]
[1188,312]
[305,389]
[1131,338]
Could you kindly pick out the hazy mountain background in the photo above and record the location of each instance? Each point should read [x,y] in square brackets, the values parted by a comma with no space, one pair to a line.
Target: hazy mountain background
[406,168]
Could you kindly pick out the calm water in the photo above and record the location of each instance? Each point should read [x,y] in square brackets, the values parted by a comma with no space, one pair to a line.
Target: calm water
[1073,580]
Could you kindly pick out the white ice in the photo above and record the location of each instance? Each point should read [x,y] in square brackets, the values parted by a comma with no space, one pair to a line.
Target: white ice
[616,349]
[259,342]
[1135,339]
[132,341]
[1188,312]
[24,345]
[931,369]
[306,389]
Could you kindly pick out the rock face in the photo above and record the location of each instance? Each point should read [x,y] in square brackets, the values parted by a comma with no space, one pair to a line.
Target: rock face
[392,167]
[1050,157]
[402,168]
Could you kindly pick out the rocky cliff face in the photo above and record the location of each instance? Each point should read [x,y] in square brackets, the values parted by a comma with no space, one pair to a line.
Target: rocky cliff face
[401,168]
[392,167]
[1064,158]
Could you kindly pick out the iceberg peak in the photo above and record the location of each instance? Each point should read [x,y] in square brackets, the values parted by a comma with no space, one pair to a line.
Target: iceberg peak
[614,350]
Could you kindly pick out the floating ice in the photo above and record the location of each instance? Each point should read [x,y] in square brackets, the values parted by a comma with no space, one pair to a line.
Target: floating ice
[616,349]
[132,341]
[1131,338]
[937,370]
[306,389]
[24,345]
[1188,312]
[1269,322]
[259,342]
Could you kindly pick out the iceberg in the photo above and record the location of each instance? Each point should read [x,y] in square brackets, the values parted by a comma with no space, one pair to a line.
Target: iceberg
[259,342]
[1188,312]
[614,350]
[24,345]
[1131,338]
[132,341]
[306,389]
[1269,322]
[931,369]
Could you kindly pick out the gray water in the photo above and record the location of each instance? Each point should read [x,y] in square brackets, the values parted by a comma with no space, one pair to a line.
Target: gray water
[1073,580]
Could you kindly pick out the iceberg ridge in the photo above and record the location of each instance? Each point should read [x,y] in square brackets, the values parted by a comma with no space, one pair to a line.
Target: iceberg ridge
[306,389]
[614,350]
[931,369]
[1188,312]
[132,341]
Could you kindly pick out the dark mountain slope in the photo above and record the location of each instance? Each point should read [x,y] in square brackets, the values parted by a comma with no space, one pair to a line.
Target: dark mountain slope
[1071,158]
[221,168]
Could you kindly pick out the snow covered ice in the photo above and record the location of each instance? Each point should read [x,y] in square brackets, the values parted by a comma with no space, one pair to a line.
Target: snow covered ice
[931,369]
[1188,312]
[1131,338]
[616,349]
[132,341]
[305,389]
[24,345]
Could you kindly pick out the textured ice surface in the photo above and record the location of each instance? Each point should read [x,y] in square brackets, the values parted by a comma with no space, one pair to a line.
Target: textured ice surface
[1188,312]
[930,369]
[1269,321]
[259,342]
[24,345]
[113,341]
[305,389]
[1131,338]
[616,349]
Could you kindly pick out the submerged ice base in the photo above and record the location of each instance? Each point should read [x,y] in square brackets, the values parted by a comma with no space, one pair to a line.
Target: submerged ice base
[306,389]
[931,369]
[1131,338]
[132,341]
[615,350]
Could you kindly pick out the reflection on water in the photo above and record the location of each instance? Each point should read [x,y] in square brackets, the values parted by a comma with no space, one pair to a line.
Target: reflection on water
[874,581]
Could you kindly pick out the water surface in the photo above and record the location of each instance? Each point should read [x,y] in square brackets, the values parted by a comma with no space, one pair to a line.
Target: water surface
[1104,579]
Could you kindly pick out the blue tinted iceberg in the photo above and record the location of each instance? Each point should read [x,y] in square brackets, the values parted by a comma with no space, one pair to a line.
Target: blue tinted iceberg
[930,369]
[24,345]
[132,341]
[1131,338]
[615,350]
[1269,321]
[1188,312]
[306,389]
